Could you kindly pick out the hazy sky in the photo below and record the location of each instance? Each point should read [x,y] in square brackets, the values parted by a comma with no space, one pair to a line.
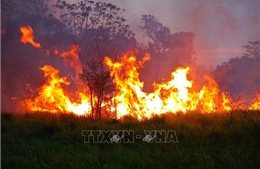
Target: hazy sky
[221,27]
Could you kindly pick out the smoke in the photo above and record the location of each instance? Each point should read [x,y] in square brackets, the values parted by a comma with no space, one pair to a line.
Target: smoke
[179,54]
[221,26]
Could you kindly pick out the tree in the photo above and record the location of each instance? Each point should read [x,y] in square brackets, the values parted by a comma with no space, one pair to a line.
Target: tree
[100,85]
[177,46]
[98,30]
[96,27]
[252,49]
[158,34]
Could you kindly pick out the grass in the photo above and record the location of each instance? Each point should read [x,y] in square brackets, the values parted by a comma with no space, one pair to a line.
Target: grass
[44,140]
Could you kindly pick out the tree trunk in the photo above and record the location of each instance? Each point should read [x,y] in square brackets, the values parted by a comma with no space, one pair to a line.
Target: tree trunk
[92,107]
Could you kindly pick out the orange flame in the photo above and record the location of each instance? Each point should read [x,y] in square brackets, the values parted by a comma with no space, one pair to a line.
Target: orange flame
[173,95]
[256,103]
[52,96]
[27,36]
[170,96]
[70,57]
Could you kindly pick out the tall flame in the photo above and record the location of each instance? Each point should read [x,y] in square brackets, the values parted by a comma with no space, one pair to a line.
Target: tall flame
[170,96]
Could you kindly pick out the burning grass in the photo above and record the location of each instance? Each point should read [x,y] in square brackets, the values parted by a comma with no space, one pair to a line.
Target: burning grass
[125,95]
[129,98]
[47,140]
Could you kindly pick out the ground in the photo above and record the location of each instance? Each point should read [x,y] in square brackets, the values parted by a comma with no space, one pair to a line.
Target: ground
[45,140]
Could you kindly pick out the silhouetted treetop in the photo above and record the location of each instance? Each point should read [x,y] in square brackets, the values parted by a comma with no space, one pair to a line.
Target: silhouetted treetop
[252,49]
[86,14]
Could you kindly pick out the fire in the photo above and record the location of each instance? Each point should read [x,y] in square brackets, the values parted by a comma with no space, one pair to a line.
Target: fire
[52,96]
[71,57]
[171,96]
[174,95]
[256,103]
[129,87]
[209,96]
[27,36]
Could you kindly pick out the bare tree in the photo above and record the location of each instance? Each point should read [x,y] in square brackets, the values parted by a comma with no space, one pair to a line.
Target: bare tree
[98,30]
[235,104]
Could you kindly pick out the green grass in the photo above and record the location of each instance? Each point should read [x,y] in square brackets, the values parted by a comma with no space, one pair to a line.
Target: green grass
[44,140]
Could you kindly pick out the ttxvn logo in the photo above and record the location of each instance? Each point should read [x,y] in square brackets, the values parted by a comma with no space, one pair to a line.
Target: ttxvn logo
[129,136]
